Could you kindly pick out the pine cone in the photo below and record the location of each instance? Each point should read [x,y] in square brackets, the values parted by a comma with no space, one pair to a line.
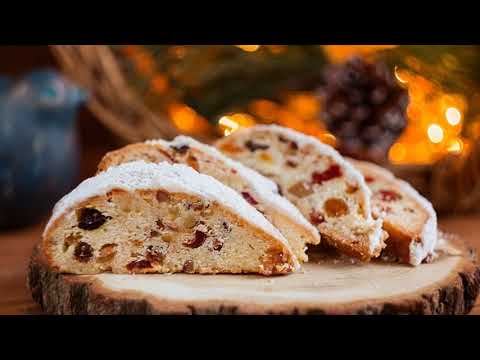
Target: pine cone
[364,108]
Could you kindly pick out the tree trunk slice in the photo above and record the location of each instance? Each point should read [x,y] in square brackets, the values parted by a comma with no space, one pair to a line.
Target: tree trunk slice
[326,285]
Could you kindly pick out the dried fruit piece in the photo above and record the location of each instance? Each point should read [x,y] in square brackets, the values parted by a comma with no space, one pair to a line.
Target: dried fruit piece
[291,163]
[332,172]
[217,244]
[265,157]
[188,266]
[300,189]
[107,252]
[192,162]
[70,240]
[83,252]
[351,189]
[250,199]
[154,233]
[335,207]
[293,145]
[155,254]
[138,264]
[90,219]
[279,189]
[389,195]
[137,242]
[162,196]
[226,226]
[316,218]
[182,149]
[282,139]
[196,241]
[253,146]
[369,179]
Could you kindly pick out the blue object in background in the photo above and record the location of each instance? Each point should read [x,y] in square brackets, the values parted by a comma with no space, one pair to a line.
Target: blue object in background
[39,154]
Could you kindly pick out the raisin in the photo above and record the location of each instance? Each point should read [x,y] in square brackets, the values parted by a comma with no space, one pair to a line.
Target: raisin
[226,227]
[91,219]
[300,189]
[389,195]
[138,264]
[233,171]
[253,146]
[155,255]
[282,139]
[154,233]
[279,189]
[250,199]
[196,241]
[181,149]
[335,207]
[188,266]
[332,172]
[291,164]
[192,162]
[162,196]
[293,145]
[217,244]
[107,252]
[83,252]
[369,179]
[316,218]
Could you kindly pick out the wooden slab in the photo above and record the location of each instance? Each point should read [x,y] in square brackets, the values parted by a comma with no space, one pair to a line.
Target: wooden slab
[327,285]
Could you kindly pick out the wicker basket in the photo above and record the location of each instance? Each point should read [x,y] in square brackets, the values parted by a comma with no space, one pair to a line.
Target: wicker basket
[114,103]
[452,184]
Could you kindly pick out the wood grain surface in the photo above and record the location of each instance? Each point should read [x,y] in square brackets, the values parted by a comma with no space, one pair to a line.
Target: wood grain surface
[16,248]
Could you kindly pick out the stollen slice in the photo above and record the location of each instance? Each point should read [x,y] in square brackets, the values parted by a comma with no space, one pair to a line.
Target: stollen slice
[326,189]
[256,189]
[408,217]
[160,218]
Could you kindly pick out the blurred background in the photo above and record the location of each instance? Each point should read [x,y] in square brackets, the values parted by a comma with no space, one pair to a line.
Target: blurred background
[412,109]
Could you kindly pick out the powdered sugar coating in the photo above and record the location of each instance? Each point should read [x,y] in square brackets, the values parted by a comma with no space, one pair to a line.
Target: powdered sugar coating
[139,175]
[263,186]
[429,234]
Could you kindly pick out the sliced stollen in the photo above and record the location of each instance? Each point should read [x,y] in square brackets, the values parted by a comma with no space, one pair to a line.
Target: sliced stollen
[259,191]
[327,190]
[408,217]
[155,218]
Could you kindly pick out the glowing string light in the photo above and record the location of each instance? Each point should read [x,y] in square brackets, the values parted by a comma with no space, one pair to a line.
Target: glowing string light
[453,116]
[435,133]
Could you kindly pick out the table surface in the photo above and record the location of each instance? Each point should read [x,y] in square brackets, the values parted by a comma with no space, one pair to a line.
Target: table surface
[16,247]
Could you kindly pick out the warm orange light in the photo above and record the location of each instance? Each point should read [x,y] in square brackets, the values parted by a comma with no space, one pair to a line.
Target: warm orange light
[249,48]
[231,123]
[453,115]
[340,53]
[435,133]
[265,109]
[329,139]
[398,74]
[304,105]
[397,153]
[144,63]
[159,84]
[455,146]
[183,116]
